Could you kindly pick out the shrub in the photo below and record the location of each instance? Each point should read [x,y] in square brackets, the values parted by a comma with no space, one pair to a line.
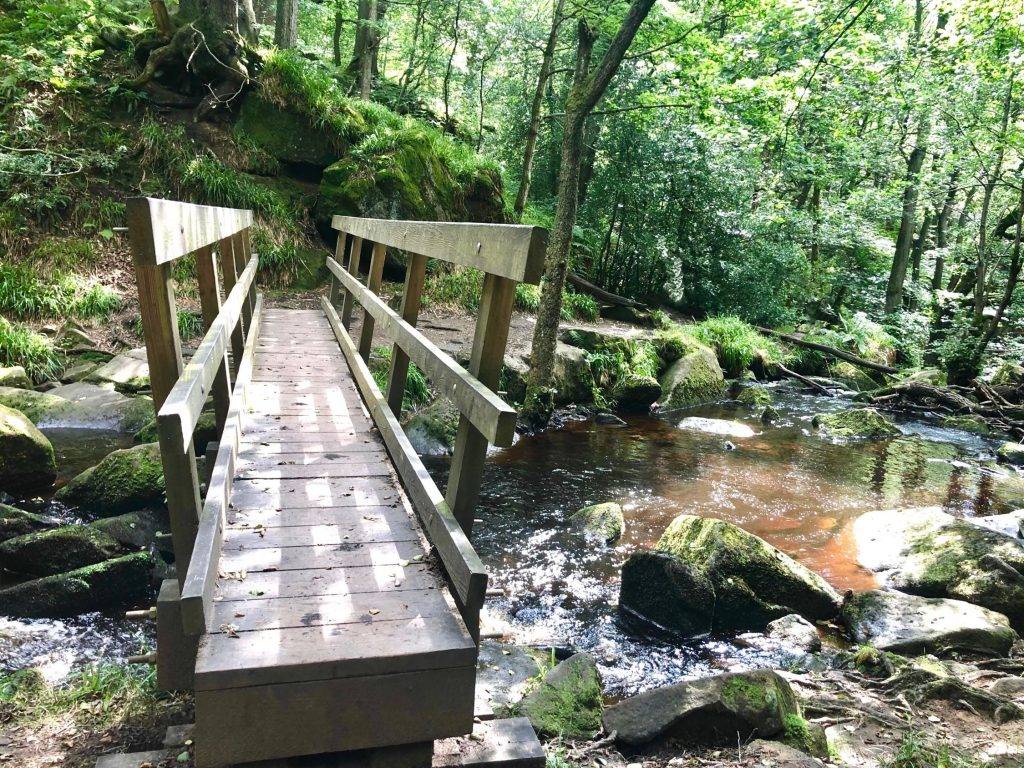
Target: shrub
[736,343]
[26,294]
[454,288]
[19,345]
[579,306]
[417,390]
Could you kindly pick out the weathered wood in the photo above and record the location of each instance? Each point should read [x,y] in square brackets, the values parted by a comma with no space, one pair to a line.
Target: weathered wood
[373,279]
[514,251]
[163,351]
[485,363]
[387,528]
[488,412]
[412,292]
[506,743]
[842,354]
[348,303]
[339,256]
[210,301]
[175,648]
[312,582]
[227,269]
[178,229]
[239,244]
[462,565]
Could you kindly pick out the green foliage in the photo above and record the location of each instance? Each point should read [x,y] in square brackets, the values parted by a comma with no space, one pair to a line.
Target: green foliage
[417,389]
[527,297]
[453,288]
[190,324]
[578,306]
[26,294]
[737,344]
[19,345]
[916,752]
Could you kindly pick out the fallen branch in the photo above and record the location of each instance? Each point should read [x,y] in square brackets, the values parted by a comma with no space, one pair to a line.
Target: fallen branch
[600,293]
[842,354]
[802,379]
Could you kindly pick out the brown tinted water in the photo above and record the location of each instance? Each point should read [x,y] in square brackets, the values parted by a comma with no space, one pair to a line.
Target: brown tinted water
[786,484]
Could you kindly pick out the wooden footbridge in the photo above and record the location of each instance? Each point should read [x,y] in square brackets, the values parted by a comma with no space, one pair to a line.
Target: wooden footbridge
[328,597]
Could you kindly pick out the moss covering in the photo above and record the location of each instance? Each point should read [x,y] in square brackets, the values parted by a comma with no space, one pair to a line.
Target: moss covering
[44,553]
[18,522]
[669,592]
[568,701]
[973,424]
[285,134]
[26,456]
[852,376]
[123,481]
[805,736]
[755,397]
[15,376]
[39,407]
[122,580]
[856,423]
[692,379]
[1011,453]
[602,521]
[136,530]
[205,432]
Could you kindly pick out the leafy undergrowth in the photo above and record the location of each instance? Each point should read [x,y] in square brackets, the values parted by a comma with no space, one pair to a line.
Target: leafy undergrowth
[417,388]
[20,345]
[737,344]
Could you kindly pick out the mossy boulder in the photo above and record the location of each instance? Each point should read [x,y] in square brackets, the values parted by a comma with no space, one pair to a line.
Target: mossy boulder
[128,372]
[45,553]
[119,581]
[41,408]
[926,552]
[205,432]
[26,456]
[666,591]
[18,522]
[755,397]
[856,423]
[852,376]
[808,738]
[636,391]
[1009,374]
[573,378]
[694,378]
[603,522]
[1011,453]
[568,701]
[124,481]
[753,582]
[287,135]
[714,710]
[973,424]
[432,428]
[16,377]
[80,405]
[893,621]
[133,530]
[932,376]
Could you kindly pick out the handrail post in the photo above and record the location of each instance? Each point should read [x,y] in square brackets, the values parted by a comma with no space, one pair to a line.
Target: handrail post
[339,256]
[229,269]
[415,275]
[353,269]
[485,362]
[163,351]
[209,298]
[246,250]
[373,279]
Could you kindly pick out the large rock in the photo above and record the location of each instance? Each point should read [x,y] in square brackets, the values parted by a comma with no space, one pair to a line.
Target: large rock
[18,522]
[1009,524]
[604,522]
[285,134]
[132,530]
[694,378]
[128,372]
[124,481]
[636,391]
[1011,453]
[80,406]
[45,553]
[852,376]
[673,594]
[204,433]
[432,428]
[753,583]
[573,378]
[908,624]
[123,580]
[567,702]
[16,377]
[856,423]
[26,457]
[796,632]
[926,552]
[712,710]
[716,427]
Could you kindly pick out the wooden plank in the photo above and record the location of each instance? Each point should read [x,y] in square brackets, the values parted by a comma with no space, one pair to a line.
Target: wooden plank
[461,563]
[347,304]
[210,302]
[339,256]
[320,556]
[230,275]
[415,278]
[514,251]
[263,613]
[485,363]
[327,443]
[359,650]
[310,516]
[323,581]
[181,228]
[488,412]
[385,530]
[314,471]
[262,722]
[373,279]
[505,743]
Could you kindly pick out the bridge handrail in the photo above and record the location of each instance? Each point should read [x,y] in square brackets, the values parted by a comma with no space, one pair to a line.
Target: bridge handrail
[507,254]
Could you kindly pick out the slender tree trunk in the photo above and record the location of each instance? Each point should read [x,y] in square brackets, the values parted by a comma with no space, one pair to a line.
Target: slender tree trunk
[1012,278]
[247,25]
[523,193]
[905,237]
[369,51]
[920,244]
[816,226]
[448,69]
[942,229]
[416,31]
[286,25]
[339,21]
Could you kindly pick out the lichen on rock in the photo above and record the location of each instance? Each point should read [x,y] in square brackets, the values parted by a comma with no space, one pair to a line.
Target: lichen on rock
[693,378]
[856,423]
[604,522]
[568,701]
[124,481]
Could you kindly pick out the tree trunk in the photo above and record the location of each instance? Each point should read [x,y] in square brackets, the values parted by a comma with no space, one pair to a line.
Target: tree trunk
[942,229]
[286,25]
[523,193]
[339,21]
[920,244]
[451,61]
[369,51]
[905,237]
[247,25]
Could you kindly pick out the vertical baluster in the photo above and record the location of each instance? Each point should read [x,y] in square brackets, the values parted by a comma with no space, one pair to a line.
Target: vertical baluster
[415,275]
[210,300]
[373,279]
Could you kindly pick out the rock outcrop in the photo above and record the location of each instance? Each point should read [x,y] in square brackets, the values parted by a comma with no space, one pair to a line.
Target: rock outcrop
[124,481]
[856,423]
[27,461]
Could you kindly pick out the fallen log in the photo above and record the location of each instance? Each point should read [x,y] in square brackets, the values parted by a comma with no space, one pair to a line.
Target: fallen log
[802,379]
[600,293]
[842,354]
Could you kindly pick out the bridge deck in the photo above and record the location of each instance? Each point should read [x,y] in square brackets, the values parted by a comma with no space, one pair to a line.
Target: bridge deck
[327,609]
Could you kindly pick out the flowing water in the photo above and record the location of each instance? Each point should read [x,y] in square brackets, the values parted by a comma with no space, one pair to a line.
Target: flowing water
[786,484]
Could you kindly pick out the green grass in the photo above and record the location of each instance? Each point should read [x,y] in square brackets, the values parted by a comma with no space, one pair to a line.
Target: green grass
[915,752]
[24,293]
[579,306]
[460,288]
[417,389]
[190,324]
[19,345]
[736,343]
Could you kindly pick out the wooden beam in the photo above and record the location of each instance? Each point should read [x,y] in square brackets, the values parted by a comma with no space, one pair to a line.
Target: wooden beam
[354,253]
[415,277]
[484,409]
[230,272]
[465,571]
[485,363]
[179,229]
[515,251]
[197,591]
[210,301]
[373,279]
[339,256]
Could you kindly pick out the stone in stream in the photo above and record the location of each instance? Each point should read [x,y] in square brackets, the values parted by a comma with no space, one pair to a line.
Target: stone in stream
[635,391]
[716,427]
[80,406]
[694,378]
[603,522]
[852,376]
[56,550]
[711,710]
[503,674]
[432,428]
[16,377]
[568,701]
[1011,453]
[926,552]
[573,377]
[755,397]
[122,580]
[27,461]
[133,530]
[128,372]
[795,631]
[18,522]
[1009,524]
[856,423]
[124,481]
[752,583]
[205,432]
[973,424]
[893,621]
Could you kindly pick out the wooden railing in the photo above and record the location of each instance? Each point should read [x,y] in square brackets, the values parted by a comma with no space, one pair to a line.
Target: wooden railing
[161,232]
[507,255]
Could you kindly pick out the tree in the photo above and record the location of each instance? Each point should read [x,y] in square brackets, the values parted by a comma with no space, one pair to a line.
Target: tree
[286,24]
[587,89]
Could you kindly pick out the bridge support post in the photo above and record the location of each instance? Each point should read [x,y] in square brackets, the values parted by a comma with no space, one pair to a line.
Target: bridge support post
[175,650]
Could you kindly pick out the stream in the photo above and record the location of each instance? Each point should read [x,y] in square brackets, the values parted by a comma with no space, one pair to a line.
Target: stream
[786,484]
